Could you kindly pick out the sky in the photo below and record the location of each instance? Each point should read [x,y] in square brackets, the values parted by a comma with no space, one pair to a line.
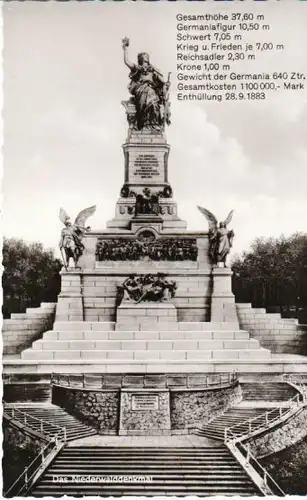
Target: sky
[64,80]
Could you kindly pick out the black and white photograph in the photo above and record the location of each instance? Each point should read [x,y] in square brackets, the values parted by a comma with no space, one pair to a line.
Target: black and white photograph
[154,280]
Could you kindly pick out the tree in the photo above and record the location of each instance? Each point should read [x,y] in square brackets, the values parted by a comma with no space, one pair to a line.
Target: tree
[30,276]
[273,272]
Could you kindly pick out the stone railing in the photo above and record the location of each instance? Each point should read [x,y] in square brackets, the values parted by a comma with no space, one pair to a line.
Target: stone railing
[34,470]
[236,439]
[250,427]
[258,474]
[189,381]
[45,427]
[298,382]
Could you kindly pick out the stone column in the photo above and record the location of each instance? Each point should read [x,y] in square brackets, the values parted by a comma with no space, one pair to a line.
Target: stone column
[223,306]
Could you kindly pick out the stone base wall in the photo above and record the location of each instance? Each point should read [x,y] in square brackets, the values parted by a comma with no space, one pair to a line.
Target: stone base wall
[180,411]
[22,329]
[93,296]
[283,436]
[280,335]
[191,409]
[99,409]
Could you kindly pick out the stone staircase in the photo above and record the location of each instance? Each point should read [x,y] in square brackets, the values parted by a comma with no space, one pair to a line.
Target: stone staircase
[280,335]
[233,416]
[267,391]
[32,392]
[50,414]
[99,346]
[177,347]
[203,471]
[21,329]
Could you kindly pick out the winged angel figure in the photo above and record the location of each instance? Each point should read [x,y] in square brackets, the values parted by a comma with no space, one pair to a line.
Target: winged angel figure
[71,245]
[220,238]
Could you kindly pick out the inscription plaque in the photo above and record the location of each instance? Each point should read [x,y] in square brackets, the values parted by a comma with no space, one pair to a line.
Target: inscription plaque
[145,402]
[146,167]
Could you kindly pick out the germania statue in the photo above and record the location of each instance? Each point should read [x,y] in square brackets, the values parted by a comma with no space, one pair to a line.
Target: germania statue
[149,90]
[220,238]
[71,245]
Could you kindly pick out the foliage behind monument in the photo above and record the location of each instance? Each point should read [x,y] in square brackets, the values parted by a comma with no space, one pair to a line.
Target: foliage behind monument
[273,272]
[30,275]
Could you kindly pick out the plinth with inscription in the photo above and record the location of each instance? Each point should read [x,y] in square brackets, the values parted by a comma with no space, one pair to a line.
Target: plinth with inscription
[145,412]
[146,190]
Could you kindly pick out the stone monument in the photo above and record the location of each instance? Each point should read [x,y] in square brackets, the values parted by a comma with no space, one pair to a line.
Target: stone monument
[146,235]
[145,295]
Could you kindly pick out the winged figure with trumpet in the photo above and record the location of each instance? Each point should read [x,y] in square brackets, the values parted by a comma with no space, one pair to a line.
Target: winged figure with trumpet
[220,238]
[71,245]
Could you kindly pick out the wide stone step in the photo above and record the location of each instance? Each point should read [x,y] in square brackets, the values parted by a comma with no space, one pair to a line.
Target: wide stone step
[222,424]
[219,426]
[160,473]
[37,316]
[207,325]
[34,310]
[166,474]
[83,325]
[110,366]
[110,325]
[240,415]
[210,435]
[90,451]
[273,324]
[83,489]
[165,462]
[180,480]
[48,305]
[145,452]
[149,493]
[93,335]
[152,354]
[260,316]
[144,345]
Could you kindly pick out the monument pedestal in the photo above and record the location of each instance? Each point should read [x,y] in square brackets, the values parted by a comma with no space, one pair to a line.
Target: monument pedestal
[146,154]
[70,305]
[146,316]
[223,307]
[145,412]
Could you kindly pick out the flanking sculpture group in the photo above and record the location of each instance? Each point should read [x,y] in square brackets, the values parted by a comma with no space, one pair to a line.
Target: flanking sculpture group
[72,247]
[220,238]
[71,244]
